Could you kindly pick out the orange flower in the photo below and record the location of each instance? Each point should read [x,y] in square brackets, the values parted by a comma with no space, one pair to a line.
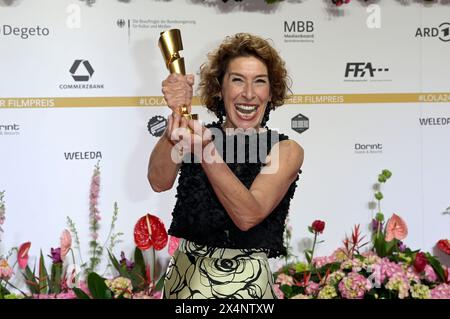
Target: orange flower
[22,254]
[396,228]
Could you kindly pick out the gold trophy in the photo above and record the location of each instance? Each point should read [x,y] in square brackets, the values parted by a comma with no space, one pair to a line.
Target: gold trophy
[170,44]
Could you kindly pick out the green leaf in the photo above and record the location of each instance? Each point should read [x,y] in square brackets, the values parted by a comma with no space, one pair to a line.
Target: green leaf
[390,246]
[437,267]
[97,286]
[3,291]
[80,293]
[380,245]
[55,280]
[139,259]
[30,280]
[159,285]
[308,256]
[43,276]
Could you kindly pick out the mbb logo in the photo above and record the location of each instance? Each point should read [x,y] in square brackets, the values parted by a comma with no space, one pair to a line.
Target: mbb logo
[298,26]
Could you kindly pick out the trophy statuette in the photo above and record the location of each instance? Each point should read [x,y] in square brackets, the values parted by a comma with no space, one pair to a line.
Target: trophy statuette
[170,44]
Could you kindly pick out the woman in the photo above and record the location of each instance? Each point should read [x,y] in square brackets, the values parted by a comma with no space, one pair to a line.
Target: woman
[233,200]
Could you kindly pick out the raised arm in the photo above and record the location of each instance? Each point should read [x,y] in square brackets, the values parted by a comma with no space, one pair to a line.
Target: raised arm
[164,160]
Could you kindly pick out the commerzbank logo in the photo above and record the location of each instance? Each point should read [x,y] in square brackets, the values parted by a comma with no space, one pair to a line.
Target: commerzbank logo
[81,72]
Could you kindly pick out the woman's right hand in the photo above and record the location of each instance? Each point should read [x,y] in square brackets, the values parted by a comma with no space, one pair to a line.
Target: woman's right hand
[178,90]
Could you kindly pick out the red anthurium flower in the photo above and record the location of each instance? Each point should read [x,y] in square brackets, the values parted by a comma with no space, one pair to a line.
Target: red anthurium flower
[444,245]
[150,231]
[22,254]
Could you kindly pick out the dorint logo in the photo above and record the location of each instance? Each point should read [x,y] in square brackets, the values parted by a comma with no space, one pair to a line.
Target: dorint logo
[81,70]
[156,125]
[300,123]
[10,129]
[442,32]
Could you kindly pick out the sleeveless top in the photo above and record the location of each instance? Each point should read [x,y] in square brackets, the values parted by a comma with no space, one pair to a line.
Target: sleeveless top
[199,216]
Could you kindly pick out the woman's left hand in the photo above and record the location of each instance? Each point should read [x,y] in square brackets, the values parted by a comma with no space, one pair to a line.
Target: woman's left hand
[197,140]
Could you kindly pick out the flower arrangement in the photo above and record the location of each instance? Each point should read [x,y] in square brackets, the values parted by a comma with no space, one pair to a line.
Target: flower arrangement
[135,279]
[65,278]
[388,269]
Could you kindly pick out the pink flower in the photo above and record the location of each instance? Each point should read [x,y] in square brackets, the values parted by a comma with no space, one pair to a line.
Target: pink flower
[354,286]
[22,255]
[65,242]
[430,274]
[284,279]
[396,228]
[319,262]
[6,271]
[173,244]
[312,288]
[441,291]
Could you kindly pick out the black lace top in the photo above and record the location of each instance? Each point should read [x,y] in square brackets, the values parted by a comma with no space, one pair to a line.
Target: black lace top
[200,217]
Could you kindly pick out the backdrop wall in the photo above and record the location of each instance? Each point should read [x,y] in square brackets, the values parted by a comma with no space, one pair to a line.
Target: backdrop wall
[370,91]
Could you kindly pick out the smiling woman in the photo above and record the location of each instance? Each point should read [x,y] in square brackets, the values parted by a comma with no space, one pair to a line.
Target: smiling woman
[236,177]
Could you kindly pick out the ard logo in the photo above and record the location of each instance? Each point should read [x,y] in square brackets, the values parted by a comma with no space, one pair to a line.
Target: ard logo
[442,32]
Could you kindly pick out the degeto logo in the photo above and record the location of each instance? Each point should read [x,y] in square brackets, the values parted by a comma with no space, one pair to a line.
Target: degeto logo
[79,74]
[24,32]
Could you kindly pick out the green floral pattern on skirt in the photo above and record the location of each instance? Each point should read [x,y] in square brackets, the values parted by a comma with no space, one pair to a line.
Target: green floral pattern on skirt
[201,272]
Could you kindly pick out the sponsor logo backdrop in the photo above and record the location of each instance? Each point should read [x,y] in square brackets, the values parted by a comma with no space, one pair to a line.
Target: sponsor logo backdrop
[81,85]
